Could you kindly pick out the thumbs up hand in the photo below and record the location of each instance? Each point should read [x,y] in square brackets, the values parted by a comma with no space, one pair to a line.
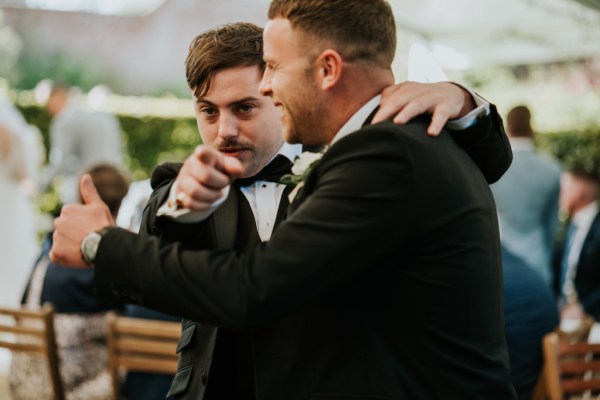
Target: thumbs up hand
[75,222]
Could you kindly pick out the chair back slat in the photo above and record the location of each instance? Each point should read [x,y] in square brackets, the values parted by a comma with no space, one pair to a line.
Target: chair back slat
[147,328]
[148,364]
[32,331]
[141,345]
[575,386]
[145,346]
[23,330]
[577,348]
[570,368]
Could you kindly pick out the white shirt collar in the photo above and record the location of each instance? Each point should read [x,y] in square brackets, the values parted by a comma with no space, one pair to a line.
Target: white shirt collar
[290,151]
[358,119]
[521,144]
[585,216]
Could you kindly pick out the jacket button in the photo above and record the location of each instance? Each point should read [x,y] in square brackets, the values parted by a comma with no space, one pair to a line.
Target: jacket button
[204,378]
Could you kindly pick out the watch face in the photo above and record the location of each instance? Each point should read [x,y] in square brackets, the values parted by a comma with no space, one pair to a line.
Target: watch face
[89,247]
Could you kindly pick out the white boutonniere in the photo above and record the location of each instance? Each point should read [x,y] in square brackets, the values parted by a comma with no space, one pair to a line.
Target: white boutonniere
[300,170]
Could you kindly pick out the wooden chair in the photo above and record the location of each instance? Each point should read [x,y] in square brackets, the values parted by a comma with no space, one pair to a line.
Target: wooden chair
[142,345]
[539,390]
[570,368]
[36,337]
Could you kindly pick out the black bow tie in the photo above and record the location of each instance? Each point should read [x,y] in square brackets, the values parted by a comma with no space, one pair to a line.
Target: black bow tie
[272,172]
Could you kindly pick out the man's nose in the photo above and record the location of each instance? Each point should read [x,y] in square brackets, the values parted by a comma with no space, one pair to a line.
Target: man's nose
[265,84]
[228,126]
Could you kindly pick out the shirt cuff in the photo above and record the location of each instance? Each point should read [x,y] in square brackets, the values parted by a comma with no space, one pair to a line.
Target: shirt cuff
[171,209]
[482,110]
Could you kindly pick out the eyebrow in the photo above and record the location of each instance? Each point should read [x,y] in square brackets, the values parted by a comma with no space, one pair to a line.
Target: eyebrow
[232,104]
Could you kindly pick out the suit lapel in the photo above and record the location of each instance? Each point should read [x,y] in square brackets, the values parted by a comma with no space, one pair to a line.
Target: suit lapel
[283,206]
[226,219]
[592,238]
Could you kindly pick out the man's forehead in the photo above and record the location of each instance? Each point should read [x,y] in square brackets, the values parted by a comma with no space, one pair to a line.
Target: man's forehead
[277,31]
[233,85]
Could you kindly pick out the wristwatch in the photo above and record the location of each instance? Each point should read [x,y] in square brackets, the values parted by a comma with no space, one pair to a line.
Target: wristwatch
[89,246]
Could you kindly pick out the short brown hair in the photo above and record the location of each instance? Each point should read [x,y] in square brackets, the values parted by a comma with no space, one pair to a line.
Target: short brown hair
[111,184]
[231,45]
[363,30]
[518,122]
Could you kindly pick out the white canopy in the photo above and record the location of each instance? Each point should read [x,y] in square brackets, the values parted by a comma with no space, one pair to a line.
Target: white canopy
[465,33]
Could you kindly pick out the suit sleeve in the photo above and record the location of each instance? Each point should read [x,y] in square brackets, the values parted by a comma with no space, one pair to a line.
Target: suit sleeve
[487,145]
[191,234]
[158,197]
[305,259]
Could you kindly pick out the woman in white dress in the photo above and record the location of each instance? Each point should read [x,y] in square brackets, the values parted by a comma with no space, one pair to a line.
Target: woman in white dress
[18,243]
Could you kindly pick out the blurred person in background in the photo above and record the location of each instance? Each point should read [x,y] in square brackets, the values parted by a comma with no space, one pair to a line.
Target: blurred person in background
[527,197]
[21,156]
[530,312]
[132,207]
[577,258]
[80,320]
[79,137]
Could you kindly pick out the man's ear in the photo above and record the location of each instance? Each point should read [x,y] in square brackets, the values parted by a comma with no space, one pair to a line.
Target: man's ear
[330,69]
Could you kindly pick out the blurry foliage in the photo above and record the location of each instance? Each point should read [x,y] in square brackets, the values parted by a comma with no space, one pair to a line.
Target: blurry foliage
[561,96]
[149,140]
[578,151]
[58,67]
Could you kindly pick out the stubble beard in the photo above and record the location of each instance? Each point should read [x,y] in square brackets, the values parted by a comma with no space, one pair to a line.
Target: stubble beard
[306,123]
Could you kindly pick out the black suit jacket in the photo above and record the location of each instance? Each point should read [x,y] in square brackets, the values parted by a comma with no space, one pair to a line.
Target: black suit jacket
[587,275]
[384,282]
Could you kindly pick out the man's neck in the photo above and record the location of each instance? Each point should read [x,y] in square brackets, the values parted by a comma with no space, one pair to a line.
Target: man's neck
[359,86]
[357,120]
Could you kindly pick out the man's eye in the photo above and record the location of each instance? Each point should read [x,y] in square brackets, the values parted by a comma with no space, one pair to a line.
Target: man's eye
[245,109]
[208,112]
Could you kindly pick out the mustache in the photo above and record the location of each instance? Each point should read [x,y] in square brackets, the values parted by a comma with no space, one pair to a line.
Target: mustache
[235,144]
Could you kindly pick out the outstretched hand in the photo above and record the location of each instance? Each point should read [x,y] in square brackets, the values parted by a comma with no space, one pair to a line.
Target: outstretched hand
[442,100]
[203,176]
[75,222]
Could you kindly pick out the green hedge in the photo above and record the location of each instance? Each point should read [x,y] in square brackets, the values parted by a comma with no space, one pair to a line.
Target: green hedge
[578,151]
[149,140]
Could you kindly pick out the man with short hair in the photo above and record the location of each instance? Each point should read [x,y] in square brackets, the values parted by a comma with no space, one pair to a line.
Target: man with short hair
[576,261]
[79,137]
[527,197]
[321,302]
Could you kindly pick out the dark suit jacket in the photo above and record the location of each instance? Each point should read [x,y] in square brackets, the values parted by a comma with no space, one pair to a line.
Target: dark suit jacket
[530,312]
[384,282]
[587,276]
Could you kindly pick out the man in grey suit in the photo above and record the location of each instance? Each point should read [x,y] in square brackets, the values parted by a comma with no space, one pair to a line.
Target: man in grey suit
[79,138]
[527,197]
